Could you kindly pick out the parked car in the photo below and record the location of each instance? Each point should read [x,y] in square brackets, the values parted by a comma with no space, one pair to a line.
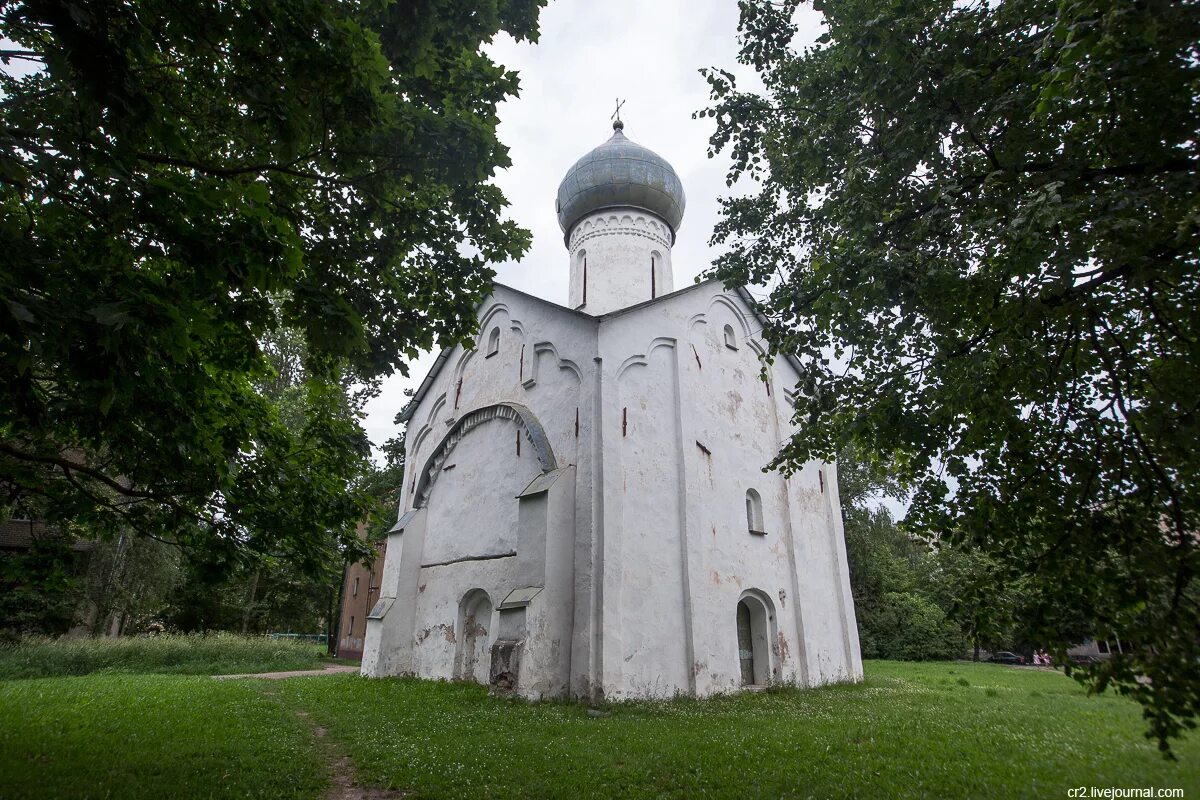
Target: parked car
[1005,657]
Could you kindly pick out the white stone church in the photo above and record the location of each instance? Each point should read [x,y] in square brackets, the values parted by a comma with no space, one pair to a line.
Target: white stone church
[586,512]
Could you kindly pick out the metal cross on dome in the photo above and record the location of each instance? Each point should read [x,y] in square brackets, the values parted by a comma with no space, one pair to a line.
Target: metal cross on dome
[616,115]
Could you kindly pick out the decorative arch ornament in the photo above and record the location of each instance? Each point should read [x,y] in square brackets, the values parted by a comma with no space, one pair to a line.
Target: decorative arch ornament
[522,416]
[642,359]
[548,348]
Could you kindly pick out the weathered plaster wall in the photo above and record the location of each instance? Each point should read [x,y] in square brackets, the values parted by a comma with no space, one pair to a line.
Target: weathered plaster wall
[546,558]
[545,354]
[440,591]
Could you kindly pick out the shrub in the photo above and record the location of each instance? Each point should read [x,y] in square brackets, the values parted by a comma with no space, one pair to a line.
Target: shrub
[183,654]
[907,627]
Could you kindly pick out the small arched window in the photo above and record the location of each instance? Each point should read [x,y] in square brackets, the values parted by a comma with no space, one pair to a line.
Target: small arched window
[580,275]
[730,339]
[653,275]
[754,513]
[493,343]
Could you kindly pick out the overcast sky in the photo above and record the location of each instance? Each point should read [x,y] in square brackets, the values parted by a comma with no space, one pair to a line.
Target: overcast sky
[646,53]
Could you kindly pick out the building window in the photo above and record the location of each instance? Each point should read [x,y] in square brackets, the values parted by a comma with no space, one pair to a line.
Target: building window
[1102,646]
[354,592]
[754,513]
[730,339]
[653,275]
[579,278]
[352,626]
[493,343]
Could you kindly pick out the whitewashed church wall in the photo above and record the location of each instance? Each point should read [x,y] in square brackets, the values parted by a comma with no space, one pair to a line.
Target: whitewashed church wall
[543,357]
[471,514]
[852,668]
[641,514]
[737,427]
[831,658]
[659,566]
[557,384]
[653,614]
[728,410]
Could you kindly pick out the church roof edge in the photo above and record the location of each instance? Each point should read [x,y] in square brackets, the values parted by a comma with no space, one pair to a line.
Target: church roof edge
[741,291]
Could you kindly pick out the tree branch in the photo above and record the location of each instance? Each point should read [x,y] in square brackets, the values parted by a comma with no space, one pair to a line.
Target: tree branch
[69,466]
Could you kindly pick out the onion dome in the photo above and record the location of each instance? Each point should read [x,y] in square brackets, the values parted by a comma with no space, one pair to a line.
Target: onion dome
[620,173]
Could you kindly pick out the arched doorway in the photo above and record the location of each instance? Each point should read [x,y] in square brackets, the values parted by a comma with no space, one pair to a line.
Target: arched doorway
[755,630]
[474,623]
[745,640]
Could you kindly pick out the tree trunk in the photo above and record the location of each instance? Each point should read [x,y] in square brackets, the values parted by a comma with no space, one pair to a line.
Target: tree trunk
[334,620]
[249,607]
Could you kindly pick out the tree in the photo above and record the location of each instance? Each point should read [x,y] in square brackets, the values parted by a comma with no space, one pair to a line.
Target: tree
[979,224]
[179,180]
[900,614]
[264,596]
[38,587]
[383,485]
[267,591]
[126,584]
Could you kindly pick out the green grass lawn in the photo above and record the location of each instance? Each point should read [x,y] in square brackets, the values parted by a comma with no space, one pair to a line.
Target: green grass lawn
[912,730]
[151,736]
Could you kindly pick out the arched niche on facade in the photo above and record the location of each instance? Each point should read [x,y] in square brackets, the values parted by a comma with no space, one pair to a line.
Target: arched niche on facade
[471,659]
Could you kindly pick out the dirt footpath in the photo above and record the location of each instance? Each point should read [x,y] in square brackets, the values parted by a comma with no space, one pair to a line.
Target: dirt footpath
[332,669]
